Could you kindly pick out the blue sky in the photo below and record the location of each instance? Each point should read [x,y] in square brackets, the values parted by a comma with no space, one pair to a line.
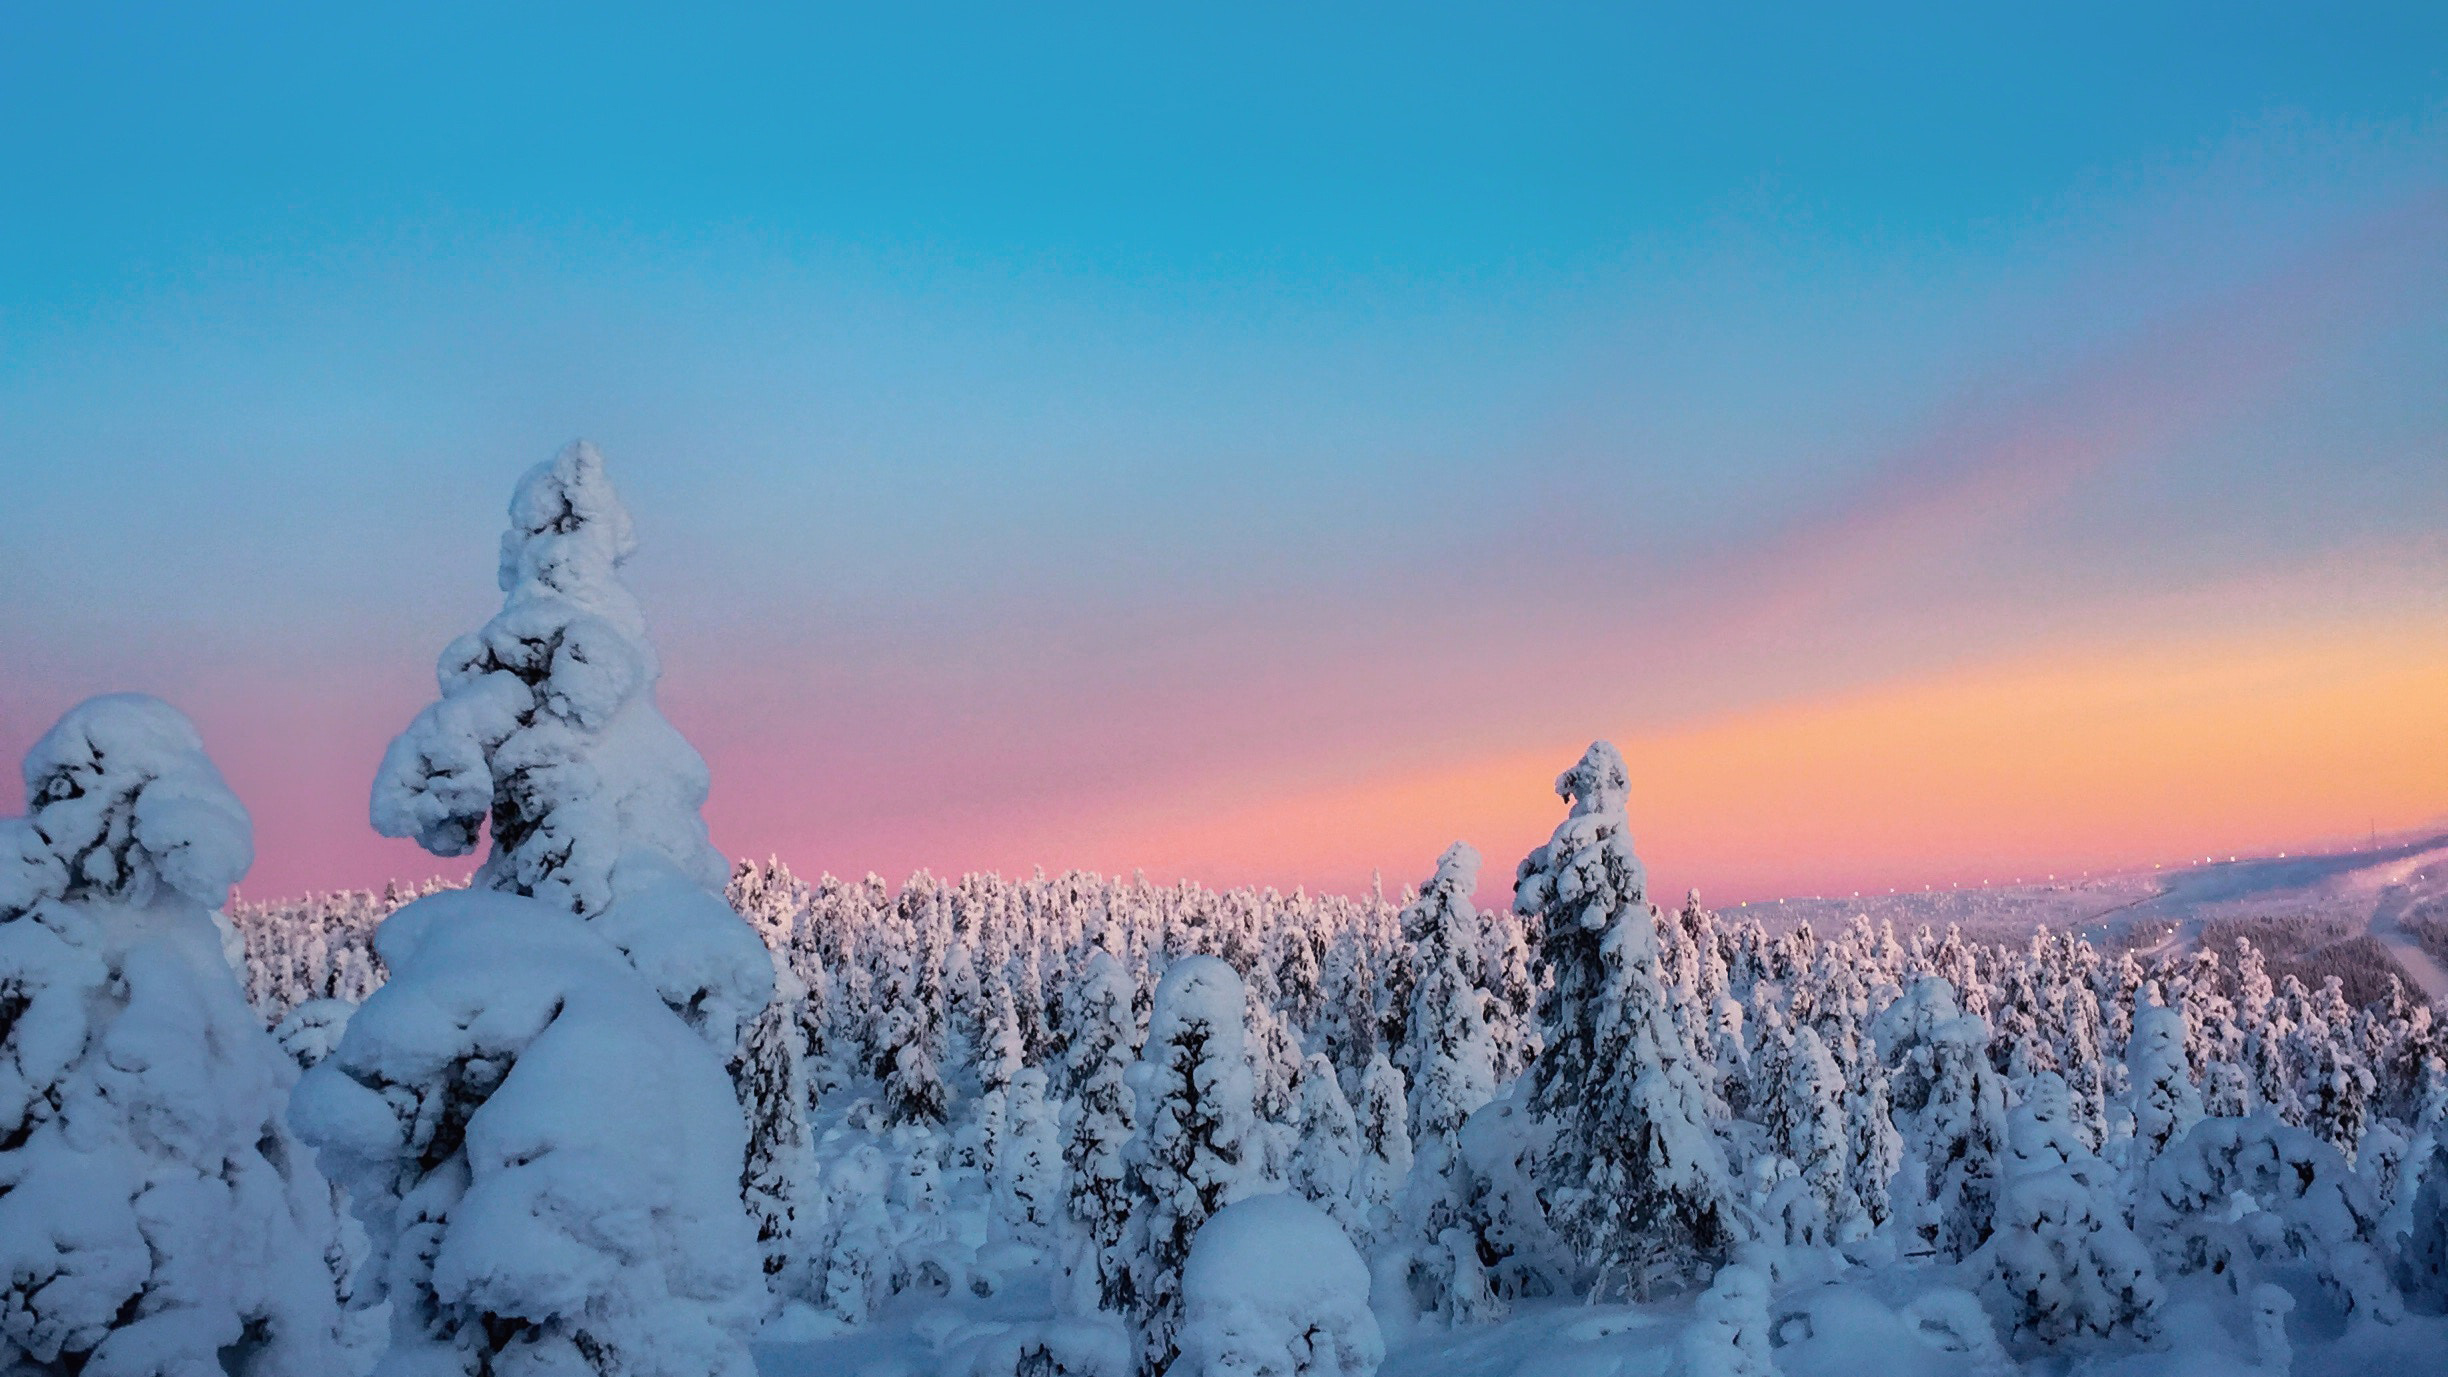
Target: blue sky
[1277,356]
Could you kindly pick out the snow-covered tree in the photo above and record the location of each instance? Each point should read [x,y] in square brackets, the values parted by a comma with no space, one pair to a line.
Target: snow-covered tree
[516,1218]
[1097,1129]
[1326,1160]
[2423,1264]
[2164,1102]
[547,734]
[2060,1261]
[1275,1091]
[155,1216]
[546,1160]
[1640,1180]
[1448,1058]
[1028,1170]
[1815,1136]
[1190,1155]
[778,1182]
[1385,1150]
[1954,1159]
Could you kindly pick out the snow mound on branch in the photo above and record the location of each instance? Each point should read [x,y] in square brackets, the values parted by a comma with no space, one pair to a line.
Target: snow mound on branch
[123,799]
[1274,1287]
[484,1110]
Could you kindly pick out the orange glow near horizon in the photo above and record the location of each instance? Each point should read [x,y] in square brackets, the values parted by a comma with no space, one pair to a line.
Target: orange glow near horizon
[2072,762]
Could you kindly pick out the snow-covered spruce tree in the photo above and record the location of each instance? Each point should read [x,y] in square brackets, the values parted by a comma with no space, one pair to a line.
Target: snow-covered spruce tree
[1448,1059]
[1954,1160]
[1814,1136]
[1098,1120]
[155,1216]
[1190,1156]
[779,1179]
[547,1161]
[1385,1150]
[1639,1179]
[547,732]
[2060,1262]
[2164,1102]
[514,1216]
[1028,1168]
[1452,1074]
[1327,1159]
[1275,1094]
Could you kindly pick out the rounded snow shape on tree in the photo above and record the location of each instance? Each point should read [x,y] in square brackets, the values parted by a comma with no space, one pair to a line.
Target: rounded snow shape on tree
[1273,1288]
[155,1216]
[547,731]
[546,1160]
[122,800]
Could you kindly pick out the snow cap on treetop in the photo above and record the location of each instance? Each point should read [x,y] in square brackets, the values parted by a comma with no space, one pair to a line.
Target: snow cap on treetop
[1599,783]
[1457,870]
[121,794]
[568,533]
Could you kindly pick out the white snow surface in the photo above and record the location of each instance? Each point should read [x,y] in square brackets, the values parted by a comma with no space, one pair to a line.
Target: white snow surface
[1274,1288]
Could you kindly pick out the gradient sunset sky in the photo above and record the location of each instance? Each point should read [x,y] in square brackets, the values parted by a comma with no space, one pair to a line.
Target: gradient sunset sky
[1265,443]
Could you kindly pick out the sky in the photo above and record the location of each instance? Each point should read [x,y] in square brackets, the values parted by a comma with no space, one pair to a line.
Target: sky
[1264,444]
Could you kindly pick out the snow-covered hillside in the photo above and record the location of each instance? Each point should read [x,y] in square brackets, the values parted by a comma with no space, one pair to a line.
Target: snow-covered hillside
[2387,891]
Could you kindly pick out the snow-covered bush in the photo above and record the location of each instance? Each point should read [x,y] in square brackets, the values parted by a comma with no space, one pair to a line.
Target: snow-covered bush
[546,1160]
[2062,1268]
[1273,1288]
[2233,1192]
[155,1215]
[1728,1335]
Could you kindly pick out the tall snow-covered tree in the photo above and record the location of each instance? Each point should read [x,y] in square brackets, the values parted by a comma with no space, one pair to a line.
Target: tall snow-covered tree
[1448,1058]
[547,734]
[778,1182]
[1385,1149]
[155,1216]
[593,962]
[1191,1154]
[1640,1181]
[2165,1103]
[1326,1160]
[1815,1134]
[1959,1142]
[1098,1123]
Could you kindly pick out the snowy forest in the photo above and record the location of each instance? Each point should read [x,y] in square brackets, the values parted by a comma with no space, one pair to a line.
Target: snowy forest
[618,1105]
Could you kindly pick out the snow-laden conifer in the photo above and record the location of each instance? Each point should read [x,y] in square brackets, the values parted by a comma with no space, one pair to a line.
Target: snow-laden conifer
[547,734]
[155,1215]
[1097,1126]
[1640,1180]
[1191,1154]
